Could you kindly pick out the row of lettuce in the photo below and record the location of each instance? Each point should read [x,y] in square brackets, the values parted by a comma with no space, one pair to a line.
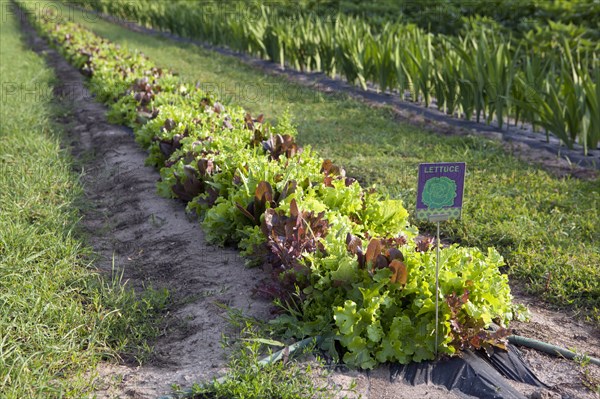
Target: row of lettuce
[343,260]
[547,78]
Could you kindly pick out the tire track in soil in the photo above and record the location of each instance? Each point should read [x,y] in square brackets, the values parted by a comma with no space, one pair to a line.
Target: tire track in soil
[154,243]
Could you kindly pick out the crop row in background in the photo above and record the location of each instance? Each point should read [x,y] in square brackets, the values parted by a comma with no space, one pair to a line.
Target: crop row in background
[541,72]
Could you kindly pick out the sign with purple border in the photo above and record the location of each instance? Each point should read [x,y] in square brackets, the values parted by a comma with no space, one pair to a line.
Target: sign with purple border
[440,191]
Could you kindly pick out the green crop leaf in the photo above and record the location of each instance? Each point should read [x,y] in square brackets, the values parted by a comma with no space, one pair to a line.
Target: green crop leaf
[346,318]
[358,354]
[375,332]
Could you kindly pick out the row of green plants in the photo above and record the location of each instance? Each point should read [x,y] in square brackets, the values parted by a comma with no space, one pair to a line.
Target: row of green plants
[548,78]
[448,16]
[345,262]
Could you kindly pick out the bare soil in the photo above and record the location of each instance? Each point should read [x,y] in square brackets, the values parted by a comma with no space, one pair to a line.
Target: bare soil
[155,243]
[566,377]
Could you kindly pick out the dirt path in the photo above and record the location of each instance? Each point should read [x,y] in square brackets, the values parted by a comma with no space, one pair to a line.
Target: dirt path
[155,243]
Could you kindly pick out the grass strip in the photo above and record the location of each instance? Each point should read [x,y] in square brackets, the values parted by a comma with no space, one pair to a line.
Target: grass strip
[546,227]
[58,316]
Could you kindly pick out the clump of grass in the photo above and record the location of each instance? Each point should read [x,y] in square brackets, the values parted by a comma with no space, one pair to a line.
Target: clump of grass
[58,317]
[247,378]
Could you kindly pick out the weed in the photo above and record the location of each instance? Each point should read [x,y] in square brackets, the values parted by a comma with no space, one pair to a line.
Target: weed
[247,378]
[589,379]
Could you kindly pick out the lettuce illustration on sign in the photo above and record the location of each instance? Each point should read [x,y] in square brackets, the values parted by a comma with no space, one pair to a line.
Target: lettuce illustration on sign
[439,192]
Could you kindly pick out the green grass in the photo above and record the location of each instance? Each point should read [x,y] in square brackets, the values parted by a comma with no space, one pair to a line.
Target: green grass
[58,317]
[248,378]
[547,228]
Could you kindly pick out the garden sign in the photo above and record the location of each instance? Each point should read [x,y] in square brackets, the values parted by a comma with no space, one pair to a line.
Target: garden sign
[439,198]
[440,191]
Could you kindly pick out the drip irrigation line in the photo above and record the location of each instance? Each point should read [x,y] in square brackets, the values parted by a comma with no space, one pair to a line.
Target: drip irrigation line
[550,349]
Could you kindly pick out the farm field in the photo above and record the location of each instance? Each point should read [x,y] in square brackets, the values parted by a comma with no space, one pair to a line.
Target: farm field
[482,70]
[248,189]
[533,212]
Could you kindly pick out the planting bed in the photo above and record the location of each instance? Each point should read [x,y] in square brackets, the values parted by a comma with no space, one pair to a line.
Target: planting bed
[160,245]
[345,258]
[504,194]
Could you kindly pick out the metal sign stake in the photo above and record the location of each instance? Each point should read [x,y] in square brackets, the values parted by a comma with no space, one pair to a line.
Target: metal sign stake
[437,287]
[439,198]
